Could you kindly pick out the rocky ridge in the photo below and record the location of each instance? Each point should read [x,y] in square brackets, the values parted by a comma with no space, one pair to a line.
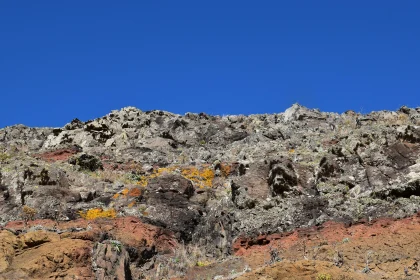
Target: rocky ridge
[204,181]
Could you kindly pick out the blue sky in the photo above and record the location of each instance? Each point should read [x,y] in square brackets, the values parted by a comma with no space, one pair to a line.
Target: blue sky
[65,59]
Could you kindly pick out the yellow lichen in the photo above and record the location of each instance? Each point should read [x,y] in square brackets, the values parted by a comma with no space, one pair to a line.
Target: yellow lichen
[202,178]
[144,180]
[202,263]
[95,213]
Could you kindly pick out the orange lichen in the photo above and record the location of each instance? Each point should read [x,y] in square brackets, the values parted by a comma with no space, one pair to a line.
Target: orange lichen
[135,192]
[115,196]
[225,169]
[131,204]
[95,213]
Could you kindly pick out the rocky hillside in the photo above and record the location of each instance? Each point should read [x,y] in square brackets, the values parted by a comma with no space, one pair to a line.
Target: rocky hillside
[155,195]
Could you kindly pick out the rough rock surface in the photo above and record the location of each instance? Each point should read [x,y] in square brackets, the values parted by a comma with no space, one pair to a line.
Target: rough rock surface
[111,261]
[205,181]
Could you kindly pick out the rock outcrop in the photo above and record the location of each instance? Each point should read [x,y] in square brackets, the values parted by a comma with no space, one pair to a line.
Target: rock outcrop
[158,180]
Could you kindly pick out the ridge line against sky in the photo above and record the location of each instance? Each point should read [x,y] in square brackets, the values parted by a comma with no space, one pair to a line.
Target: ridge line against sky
[221,115]
[62,60]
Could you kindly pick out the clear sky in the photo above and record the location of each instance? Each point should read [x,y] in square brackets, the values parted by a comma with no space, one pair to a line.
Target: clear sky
[65,59]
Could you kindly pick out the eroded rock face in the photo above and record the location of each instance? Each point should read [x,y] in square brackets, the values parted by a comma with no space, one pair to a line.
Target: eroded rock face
[282,177]
[168,197]
[43,255]
[209,179]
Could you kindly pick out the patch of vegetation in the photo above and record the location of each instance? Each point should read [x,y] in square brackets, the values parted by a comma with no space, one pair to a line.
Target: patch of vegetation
[323,276]
[28,213]
[116,245]
[183,258]
[366,269]
[202,263]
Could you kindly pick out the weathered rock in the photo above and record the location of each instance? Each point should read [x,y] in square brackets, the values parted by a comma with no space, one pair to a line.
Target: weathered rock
[110,261]
[7,251]
[168,197]
[256,174]
[253,180]
[54,258]
[74,124]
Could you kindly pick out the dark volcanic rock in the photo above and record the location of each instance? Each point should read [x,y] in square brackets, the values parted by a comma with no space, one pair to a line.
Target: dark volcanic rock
[168,197]
[86,162]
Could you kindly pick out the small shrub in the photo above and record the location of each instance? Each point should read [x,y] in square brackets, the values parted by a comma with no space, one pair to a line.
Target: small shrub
[274,255]
[366,269]
[28,213]
[202,263]
[116,245]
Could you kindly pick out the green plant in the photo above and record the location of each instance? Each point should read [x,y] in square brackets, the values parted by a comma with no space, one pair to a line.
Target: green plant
[274,255]
[323,276]
[366,269]
[202,263]
[116,245]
